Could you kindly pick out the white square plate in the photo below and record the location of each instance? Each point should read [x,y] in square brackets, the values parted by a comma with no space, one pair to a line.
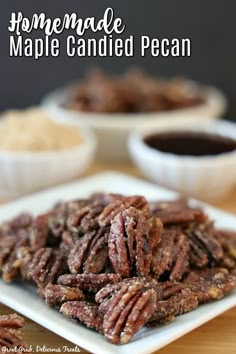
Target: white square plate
[24,299]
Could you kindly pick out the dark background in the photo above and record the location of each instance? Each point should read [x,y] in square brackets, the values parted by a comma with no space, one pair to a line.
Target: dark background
[210,25]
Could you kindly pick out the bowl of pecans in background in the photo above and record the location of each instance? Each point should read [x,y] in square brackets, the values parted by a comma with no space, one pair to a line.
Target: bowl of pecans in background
[114,106]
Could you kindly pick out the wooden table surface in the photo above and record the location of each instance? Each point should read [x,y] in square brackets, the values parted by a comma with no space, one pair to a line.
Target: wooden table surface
[215,337]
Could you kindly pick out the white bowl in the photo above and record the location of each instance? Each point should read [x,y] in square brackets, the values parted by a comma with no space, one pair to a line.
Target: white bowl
[204,177]
[26,172]
[112,130]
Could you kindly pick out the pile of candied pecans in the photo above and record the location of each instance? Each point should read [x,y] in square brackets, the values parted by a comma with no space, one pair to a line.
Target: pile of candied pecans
[119,263]
[11,334]
[131,93]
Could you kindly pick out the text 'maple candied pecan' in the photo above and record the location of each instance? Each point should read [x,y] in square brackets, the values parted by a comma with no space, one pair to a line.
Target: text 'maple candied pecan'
[87,313]
[128,247]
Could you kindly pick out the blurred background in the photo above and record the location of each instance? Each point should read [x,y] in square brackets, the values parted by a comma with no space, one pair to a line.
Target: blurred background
[210,25]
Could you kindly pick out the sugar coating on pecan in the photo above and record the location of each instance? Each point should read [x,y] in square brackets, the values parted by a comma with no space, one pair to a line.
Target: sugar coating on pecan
[129,310]
[171,255]
[56,295]
[178,303]
[118,205]
[12,321]
[128,247]
[104,296]
[177,212]
[89,253]
[210,283]
[11,334]
[202,236]
[227,240]
[87,313]
[46,265]
[91,282]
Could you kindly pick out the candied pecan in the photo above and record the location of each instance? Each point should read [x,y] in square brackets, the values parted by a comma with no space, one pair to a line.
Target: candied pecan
[155,232]
[179,258]
[85,219]
[85,312]
[114,208]
[106,198]
[91,282]
[166,289]
[45,266]
[203,241]
[39,233]
[79,251]
[89,253]
[7,244]
[129,310]
[61,212]
[233,272]
[56,295]
[210,283]
[10,269]
[227,240]
[171,255]
[98,255]
[23,258]
[10,341]
[178,303]
[22,221]
[105,295]
[177,212]
[12,321]
[128,246]
[197,255]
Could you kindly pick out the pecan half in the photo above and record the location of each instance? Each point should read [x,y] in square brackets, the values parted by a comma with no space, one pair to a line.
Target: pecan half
[119,204]
[9,340]
[85,312]
[210,283]
[129,310]
[91,282]
[46,265]
[181,301]
[176,212]
[12,321]
[171,255]
[89,253]
[227,240]
[128,246]
[56,295]
[204,245]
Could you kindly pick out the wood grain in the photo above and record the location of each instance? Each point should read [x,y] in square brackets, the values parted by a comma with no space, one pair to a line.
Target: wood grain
[215,337]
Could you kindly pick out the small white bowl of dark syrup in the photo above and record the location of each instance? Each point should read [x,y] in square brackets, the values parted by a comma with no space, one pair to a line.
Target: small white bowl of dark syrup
[198,161]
